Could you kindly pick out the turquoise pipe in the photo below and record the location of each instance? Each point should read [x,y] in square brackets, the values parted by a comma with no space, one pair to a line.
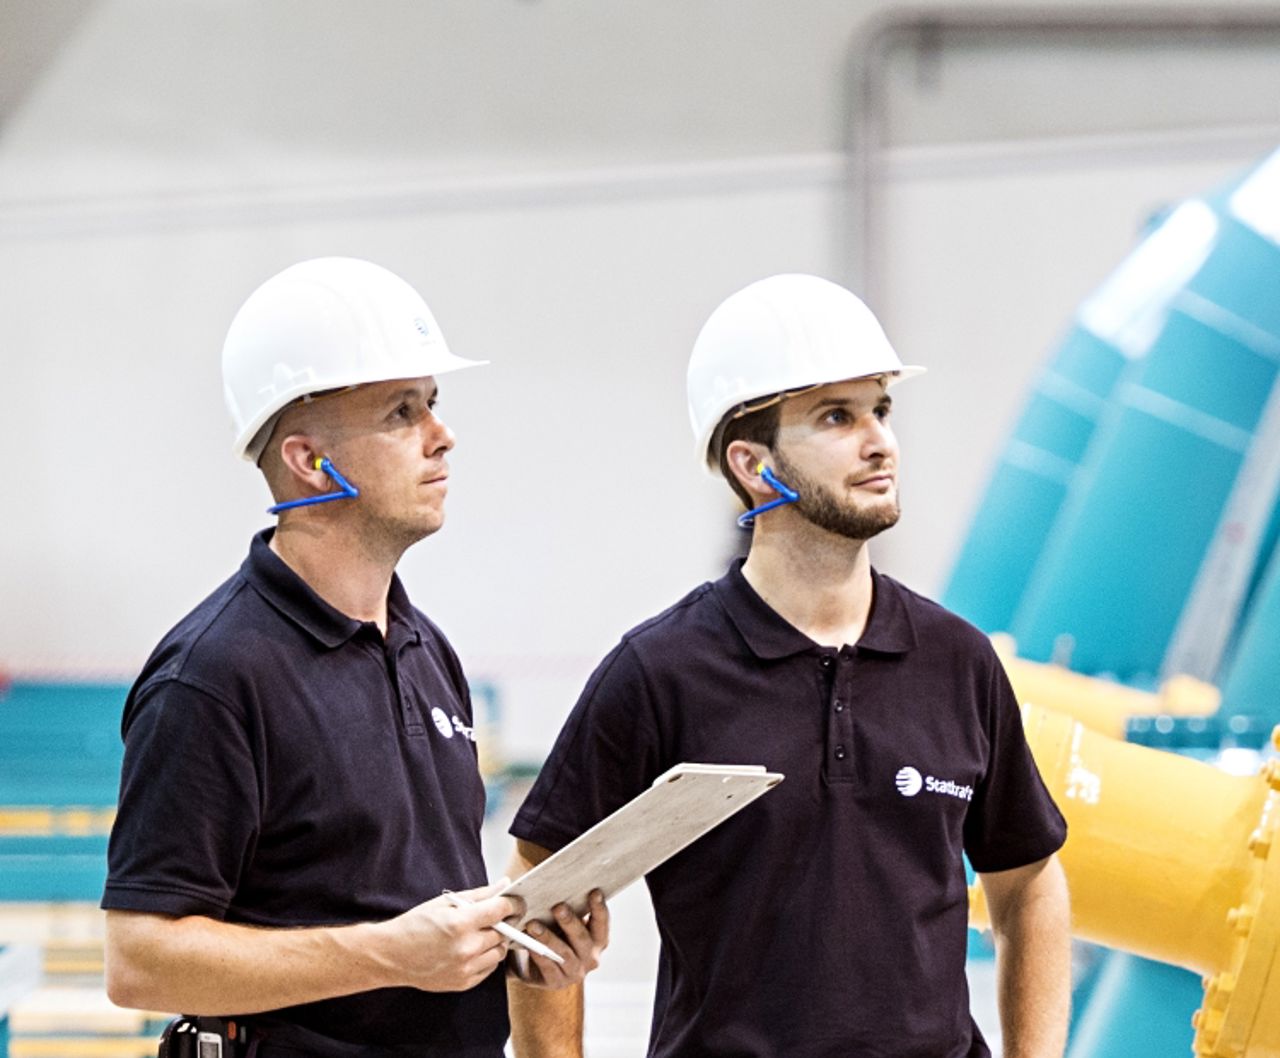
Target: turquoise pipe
[1137,1008]
[1251,683]
[1040,465]
[1031,480]
[1110,587]
[1097,517]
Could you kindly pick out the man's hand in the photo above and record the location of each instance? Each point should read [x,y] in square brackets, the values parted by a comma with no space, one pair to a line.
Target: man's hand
[440,947]
[580,942]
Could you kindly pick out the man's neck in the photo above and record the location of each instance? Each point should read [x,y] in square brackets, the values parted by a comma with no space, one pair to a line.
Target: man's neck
[816,581]
[342,572]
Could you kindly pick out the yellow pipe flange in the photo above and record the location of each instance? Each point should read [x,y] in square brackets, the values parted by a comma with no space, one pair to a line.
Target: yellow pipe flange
[1240,1017]
[1171,859]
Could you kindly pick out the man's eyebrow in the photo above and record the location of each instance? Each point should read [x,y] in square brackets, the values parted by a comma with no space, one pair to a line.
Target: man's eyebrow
[411,391]
[883,400]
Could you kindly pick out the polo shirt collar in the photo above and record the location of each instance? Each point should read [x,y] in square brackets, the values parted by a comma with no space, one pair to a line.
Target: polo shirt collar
[890,629]
[770,636]
[272,578]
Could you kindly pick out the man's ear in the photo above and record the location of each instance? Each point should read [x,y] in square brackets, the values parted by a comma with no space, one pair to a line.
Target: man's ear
[744,459]
[301,455]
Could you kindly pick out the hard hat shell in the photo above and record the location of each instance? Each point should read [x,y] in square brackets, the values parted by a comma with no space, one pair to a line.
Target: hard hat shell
[323,324]
[778,334]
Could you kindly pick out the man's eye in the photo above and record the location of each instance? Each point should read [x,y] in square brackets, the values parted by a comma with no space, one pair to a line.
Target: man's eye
[407,413]
[882,412]
[837,416]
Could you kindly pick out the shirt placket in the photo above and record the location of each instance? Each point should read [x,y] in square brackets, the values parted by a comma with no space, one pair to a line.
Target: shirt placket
[839,750]
[411,717]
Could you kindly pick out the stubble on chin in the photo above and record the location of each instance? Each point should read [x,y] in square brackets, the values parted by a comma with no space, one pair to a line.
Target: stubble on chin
[821,507]
[391,536]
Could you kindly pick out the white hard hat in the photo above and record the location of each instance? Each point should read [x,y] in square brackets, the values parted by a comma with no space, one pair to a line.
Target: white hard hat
[779,334]
[325,324]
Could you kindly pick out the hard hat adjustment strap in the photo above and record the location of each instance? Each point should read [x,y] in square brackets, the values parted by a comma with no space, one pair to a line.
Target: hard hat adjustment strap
[786,494]
[748,407]
[346,490]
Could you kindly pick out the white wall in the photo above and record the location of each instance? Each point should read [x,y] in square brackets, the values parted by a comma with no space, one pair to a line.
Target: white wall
[576,505]
[572,213]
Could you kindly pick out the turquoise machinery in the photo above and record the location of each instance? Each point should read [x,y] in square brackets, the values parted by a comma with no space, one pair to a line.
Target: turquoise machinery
[1124,529]
[1130,530]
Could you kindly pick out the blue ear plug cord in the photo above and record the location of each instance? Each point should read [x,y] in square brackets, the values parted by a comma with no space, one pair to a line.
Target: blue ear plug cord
[786,494]
[346,490]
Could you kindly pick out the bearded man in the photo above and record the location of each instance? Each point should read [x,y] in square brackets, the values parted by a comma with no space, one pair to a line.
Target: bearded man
[829,919]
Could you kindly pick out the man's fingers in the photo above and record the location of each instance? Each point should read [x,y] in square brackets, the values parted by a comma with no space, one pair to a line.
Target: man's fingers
[574,940]
[551,939]
[487,910]
[483,892]
[599,923]
[573,928]
[588,936]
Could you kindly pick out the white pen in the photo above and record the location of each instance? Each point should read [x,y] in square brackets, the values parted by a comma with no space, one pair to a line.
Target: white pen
[509,931]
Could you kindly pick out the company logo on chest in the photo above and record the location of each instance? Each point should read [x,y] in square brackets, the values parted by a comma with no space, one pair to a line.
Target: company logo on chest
[910,782]
[448,725]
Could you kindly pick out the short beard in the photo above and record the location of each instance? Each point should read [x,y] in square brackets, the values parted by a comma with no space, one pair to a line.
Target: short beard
[821,507]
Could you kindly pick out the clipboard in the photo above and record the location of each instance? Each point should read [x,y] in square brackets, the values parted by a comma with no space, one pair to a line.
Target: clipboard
[682,804]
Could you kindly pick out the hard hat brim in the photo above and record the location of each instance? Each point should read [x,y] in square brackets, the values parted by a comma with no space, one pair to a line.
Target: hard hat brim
[444,363]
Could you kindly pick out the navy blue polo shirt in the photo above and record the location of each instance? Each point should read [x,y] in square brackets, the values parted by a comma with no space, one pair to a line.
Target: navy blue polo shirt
[285,766]
[829,918]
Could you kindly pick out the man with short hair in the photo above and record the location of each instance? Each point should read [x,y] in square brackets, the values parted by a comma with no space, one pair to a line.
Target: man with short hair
[829,918]
[300,783]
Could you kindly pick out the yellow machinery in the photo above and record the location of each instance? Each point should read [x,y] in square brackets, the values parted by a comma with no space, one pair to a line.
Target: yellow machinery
[1174,860]
[1101,705]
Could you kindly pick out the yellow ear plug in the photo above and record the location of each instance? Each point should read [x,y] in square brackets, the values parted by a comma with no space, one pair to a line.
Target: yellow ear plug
[319,462]
[760,468]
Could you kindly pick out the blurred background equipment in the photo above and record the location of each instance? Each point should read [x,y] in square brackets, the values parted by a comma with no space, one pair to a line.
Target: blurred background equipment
[1152,537]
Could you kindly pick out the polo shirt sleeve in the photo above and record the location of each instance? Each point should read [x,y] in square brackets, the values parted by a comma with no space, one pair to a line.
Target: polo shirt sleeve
[189,806]
[1012,820]
[608,752]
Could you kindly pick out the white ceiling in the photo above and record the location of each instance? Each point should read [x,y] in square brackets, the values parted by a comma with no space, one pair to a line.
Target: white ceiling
[116,95]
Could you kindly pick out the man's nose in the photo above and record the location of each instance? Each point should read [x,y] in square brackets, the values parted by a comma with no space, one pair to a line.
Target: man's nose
[436,435]
[879,439]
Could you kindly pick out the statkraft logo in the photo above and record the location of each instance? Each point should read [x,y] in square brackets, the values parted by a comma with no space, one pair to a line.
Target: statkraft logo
[448,725]
[910,782]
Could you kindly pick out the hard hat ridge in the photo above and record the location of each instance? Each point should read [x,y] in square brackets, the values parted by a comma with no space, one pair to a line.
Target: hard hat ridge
[324,324]
[784,333]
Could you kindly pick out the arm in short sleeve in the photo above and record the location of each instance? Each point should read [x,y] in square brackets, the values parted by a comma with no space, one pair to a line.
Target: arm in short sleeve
[608,752]
[189,805]
[1012,820]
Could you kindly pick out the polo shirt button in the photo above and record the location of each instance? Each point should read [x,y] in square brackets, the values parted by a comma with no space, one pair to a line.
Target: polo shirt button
[840,753]
[826,662]
[839,706]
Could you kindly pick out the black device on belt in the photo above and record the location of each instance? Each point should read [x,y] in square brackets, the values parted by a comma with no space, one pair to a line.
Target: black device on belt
[200,1037]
